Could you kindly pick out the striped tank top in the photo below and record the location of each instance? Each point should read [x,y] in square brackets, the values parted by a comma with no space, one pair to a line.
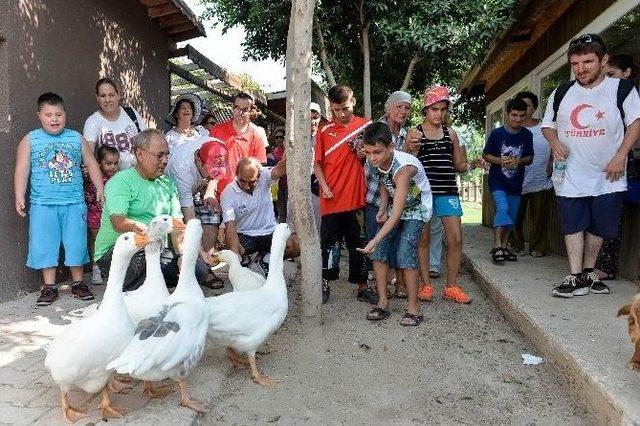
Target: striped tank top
[437,158]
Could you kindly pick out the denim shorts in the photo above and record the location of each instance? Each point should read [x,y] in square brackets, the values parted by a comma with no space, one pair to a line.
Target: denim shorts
[408,234]
[506,206]
[599,215]
[51,225]
[446,205]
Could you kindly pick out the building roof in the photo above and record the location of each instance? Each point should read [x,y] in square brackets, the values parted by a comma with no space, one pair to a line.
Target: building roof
[176,18]
[532,18]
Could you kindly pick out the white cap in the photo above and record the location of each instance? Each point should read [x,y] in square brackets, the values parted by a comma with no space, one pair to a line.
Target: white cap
[315,107]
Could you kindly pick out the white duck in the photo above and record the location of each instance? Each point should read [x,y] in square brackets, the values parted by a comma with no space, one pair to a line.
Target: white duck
[241,278]
[169,343]
[142,302]
[242,321]
[80,354]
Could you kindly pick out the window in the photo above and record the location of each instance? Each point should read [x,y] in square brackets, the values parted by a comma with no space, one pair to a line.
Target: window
[549,83]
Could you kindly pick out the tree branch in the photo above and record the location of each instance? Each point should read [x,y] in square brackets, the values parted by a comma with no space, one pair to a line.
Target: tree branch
[324,58]
[410,69]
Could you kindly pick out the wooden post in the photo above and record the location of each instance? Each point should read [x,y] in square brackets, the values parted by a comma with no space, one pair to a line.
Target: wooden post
[299,154]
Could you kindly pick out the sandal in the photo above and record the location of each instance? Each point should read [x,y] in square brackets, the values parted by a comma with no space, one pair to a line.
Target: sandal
[377,314]
[213,282]
[498,255]
[509,255]
[434,274]
[416,320]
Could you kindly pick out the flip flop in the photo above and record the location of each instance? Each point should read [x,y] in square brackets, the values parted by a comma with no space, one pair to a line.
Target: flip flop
[377,314]
[434,274]
[416,320]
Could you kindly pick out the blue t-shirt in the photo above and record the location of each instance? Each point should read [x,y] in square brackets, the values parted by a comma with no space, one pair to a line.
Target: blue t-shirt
[502,144]
[55,176]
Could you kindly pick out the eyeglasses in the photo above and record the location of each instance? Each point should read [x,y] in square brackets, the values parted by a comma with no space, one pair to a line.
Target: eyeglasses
[586,39]
[249,182]
[158,155]
[242,111]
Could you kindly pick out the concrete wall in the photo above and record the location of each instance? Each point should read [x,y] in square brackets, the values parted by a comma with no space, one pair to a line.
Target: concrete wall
[62,46]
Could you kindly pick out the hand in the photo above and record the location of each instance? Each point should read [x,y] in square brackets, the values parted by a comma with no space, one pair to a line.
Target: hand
[510,163]
[615,168]
[559,151]
[369,248]
[212,203]
[206,256]
[326,192]
[139,228]
[360,153]
[478,163]
[381,217]
[21,207]
[412,143]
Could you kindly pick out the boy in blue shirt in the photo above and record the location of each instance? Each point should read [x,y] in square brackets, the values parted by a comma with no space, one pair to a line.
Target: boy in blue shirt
[49,159]
[509,149]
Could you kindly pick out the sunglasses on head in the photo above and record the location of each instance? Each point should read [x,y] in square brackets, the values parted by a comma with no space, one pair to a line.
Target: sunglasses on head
[586,39]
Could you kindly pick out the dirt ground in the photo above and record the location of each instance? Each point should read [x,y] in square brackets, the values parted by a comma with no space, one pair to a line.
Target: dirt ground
[462,365]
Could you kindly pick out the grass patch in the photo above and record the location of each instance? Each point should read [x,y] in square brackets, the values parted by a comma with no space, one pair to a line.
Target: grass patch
[472,213]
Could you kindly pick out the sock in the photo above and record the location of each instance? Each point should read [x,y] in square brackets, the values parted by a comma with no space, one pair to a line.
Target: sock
[53,286]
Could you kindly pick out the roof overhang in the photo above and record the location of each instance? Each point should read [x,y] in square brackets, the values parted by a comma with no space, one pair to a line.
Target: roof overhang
[532,19]
[176,18]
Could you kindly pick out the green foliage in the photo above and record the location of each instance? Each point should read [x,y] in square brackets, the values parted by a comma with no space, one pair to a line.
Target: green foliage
[449,36]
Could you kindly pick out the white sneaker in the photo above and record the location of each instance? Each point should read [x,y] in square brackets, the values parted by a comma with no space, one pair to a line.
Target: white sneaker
[96,275]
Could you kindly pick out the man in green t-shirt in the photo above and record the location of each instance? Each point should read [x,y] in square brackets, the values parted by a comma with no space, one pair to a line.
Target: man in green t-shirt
[132,198]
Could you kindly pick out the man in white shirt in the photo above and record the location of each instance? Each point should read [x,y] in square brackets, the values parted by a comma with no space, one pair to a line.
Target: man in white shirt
[587,130]
[247,209]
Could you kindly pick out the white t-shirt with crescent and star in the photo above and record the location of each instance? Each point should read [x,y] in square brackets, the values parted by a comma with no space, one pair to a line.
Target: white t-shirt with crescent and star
[590,126]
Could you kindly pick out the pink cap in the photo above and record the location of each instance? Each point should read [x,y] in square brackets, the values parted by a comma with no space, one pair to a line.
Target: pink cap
[435,94]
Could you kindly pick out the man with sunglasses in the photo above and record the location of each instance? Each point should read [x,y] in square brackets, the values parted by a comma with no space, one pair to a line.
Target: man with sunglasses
[592,128]
[247,210]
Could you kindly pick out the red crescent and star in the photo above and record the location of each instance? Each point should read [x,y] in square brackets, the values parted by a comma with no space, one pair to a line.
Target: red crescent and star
[577,110]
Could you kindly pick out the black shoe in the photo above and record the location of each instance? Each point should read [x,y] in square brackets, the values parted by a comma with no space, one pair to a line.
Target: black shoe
[596,286]
[368,295]
[572,286]
[80,291]
[326,290]
[48,295]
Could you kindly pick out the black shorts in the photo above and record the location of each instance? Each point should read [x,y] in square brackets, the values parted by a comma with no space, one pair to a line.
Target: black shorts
[599,215]
[261,243]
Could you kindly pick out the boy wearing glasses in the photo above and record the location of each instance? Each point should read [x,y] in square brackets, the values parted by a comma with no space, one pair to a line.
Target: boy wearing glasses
[592,128]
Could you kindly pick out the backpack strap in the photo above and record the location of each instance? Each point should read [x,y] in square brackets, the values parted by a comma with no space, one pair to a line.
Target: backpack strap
[624,88]
[561,91]
[132,115]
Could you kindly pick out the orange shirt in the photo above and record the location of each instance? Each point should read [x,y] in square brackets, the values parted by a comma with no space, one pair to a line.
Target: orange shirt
[239,145]
[335,151]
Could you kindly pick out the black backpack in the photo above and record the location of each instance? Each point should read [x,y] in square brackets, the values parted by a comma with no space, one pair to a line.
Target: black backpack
[132,115]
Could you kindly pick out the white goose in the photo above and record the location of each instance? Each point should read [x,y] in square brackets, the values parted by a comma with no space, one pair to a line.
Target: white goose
[80,354]
[241,278]
[242,321]
[169,343]
[142,302]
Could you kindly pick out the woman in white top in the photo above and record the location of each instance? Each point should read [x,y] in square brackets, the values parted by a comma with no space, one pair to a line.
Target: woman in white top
[113,125]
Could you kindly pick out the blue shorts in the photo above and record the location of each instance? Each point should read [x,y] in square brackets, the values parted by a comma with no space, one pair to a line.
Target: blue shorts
[51,225]
[507,206]
[599,215]
[446,205]
[407,232]
[371,227]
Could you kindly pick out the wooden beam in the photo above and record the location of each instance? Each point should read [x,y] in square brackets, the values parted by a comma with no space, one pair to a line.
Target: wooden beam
[178,52]
[206,85]
[152,3]
[181,28]
[161,10]
[220,72]
[172,20]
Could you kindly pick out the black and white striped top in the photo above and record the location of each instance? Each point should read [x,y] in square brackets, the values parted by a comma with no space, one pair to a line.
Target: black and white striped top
[437,158]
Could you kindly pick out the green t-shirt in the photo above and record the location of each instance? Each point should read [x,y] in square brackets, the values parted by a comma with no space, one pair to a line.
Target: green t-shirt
[129,194]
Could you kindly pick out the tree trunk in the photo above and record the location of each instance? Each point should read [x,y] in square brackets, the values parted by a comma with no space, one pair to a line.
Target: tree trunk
[299,155]
[409,74]
[324,58]
[366,71]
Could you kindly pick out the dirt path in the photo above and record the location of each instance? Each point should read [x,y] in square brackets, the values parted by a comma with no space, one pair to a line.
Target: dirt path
[462,365]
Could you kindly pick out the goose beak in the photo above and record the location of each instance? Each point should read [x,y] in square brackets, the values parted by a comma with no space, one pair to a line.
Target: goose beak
[141,240]
[178,225]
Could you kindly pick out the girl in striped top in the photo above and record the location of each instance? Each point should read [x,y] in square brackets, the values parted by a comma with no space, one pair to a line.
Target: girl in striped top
[440,153]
